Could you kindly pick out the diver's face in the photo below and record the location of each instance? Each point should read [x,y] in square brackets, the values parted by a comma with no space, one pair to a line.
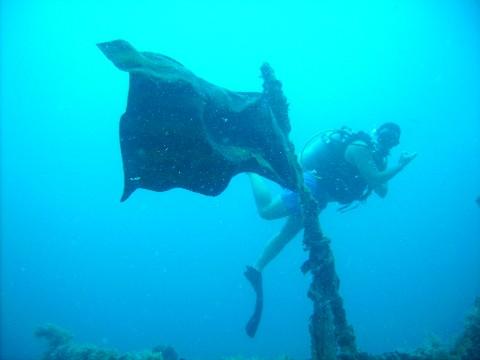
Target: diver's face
[388,138]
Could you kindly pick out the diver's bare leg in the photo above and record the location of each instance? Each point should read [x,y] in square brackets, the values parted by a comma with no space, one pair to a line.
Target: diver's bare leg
[291,228]
[254,275]
[269,208]
[261,193]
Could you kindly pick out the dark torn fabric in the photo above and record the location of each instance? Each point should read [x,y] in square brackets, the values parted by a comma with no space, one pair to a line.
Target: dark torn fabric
[180,131]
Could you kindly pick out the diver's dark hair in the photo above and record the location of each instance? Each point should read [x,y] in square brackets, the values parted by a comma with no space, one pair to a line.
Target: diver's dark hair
[389,126]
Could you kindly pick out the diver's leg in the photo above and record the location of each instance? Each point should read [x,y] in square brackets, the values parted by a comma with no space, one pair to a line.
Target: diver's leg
[261,193]
[269,208]
[291,228]
[254,275]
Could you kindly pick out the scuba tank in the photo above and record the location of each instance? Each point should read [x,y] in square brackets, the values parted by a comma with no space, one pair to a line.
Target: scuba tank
[323,155]
[324,149]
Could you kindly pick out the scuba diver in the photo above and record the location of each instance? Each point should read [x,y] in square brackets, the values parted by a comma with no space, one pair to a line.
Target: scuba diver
[339,166]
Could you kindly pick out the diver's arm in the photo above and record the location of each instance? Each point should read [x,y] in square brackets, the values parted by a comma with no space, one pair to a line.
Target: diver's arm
[361,157]
[382,190]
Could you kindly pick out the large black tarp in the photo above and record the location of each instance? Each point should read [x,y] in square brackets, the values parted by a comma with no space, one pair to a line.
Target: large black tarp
[181,131]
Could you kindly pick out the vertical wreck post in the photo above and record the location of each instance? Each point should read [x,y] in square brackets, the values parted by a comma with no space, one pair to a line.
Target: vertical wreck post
[322,338]
[329,328]
[328,324]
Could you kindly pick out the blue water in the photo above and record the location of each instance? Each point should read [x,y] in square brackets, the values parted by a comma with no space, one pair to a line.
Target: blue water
[166,268]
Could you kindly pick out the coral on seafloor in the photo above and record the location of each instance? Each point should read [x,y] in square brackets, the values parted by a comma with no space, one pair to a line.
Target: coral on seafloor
[60,346]
[239,357]
[466,347]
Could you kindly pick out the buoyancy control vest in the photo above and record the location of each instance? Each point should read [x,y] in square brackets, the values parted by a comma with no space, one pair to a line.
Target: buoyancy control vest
[324,156]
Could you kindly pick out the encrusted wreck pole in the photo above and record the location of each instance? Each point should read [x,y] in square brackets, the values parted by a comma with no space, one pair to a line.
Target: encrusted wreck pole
[328,324]
[319,263]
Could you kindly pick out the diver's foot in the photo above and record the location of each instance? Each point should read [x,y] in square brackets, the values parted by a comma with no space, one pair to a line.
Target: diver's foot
[252,325]
[254,277]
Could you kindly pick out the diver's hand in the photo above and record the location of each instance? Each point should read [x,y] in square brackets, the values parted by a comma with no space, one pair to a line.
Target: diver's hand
[406,158]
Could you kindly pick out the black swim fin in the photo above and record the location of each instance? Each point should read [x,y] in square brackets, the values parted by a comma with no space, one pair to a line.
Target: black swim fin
[255,278]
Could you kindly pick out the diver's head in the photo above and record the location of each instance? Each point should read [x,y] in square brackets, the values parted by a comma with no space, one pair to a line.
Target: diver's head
[387,136]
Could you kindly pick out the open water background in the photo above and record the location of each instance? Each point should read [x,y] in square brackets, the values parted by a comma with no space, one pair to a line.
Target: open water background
[166,268]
